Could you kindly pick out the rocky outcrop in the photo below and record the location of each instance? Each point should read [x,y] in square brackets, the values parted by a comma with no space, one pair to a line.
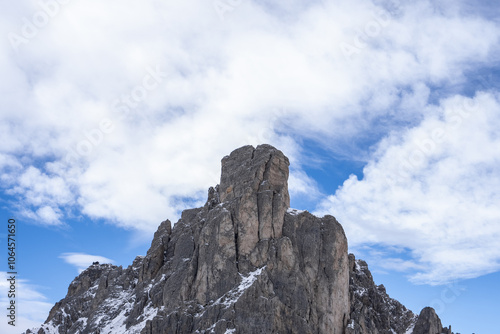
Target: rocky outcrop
[243,263]
[429,323]
[372,310]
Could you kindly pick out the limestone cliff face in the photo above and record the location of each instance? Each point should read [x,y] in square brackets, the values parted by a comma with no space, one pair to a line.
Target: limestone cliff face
[243,263]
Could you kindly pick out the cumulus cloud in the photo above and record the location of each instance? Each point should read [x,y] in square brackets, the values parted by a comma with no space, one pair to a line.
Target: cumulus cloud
[125,117]
[433,189]
[82,261]
[158,102]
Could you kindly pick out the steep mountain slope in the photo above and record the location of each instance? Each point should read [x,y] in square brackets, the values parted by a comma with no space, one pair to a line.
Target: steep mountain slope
[372,310]
[242,263]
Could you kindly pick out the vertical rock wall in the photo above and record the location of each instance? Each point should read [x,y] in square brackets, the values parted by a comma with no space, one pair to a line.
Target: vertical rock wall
[240,264]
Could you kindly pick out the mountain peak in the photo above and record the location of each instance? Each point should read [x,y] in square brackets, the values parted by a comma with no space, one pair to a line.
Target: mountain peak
[242,263]
[250,170]
[254,186]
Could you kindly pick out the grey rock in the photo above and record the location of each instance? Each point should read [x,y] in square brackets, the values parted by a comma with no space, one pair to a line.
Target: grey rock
[429,323]
[372,310]
[254,185]
[242,263]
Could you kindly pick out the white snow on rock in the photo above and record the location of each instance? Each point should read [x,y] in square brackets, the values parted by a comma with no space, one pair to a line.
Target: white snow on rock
[410,329]
[360,291]
[232,296]
[125,303]
[294,211]
[48,328]
[148,314]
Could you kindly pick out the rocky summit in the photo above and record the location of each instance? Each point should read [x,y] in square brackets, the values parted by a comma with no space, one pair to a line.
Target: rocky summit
[243,263]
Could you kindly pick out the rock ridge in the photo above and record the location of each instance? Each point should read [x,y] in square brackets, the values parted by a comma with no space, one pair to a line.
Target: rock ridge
[242,263]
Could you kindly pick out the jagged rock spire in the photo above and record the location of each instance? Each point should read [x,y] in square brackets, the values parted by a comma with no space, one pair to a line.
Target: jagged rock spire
[428,322]
[254,184]
[242,263]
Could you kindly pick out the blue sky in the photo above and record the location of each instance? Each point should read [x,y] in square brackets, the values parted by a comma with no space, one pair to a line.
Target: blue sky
[115,116]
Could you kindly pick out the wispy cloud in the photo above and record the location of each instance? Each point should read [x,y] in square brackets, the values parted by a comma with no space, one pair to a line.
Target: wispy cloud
[82,261]
[433,189]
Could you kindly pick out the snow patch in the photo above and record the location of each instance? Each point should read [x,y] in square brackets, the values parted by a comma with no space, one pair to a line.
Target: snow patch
[81,324]
[360,268]
[124,303]
[360,291]
[149,313]
[232,296]
[410,329]
[48,328]
[90,293]
[294,212]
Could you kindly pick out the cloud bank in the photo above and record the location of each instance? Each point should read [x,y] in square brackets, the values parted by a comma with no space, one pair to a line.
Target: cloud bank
[434,190]
[125,117]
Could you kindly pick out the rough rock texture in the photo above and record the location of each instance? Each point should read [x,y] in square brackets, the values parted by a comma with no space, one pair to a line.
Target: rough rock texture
[429,323]
[372,310]
[242,263]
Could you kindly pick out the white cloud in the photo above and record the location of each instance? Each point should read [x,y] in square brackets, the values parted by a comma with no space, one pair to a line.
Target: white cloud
[434,190]
[82,261]
[302,185]
[49,215]
[125,146]
[31,305]
[89,127]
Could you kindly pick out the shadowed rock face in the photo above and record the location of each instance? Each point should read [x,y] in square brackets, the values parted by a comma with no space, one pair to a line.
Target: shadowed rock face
[242,263]
[372,310]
